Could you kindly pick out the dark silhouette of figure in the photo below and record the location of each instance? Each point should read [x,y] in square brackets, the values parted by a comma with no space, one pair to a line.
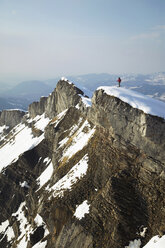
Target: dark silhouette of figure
[119,81]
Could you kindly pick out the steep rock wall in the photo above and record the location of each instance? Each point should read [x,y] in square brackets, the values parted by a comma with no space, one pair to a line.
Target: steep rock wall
[128,124]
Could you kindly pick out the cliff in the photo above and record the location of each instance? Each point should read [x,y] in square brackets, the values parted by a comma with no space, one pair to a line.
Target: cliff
[129,125]
[87,176]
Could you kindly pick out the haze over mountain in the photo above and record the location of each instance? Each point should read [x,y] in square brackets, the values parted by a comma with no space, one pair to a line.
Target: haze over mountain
[33,89]
[21,95]
[5,87]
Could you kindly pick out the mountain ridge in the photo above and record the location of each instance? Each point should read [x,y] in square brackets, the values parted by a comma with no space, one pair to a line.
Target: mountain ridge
[82,156]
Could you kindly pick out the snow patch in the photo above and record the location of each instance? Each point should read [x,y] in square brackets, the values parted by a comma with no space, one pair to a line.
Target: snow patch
[38,220]
[3,226]
[25,227]
[79,141]
[6,230]
[143,232]
[134,244]
[24,184]
[47,160]
[10,234]
[42,122]
[45,176]
[156,242]
[81,210]
[137,100]
[21,141]
[58,118]
[66,182]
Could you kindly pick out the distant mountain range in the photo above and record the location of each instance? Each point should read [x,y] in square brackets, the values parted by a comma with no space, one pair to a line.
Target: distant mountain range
[4,87]
[21,95]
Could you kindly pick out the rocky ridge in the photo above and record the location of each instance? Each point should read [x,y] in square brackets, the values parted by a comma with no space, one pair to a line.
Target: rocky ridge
[106,157]
[66,94]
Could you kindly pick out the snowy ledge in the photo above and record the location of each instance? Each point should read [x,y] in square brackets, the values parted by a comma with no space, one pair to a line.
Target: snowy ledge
[136,100]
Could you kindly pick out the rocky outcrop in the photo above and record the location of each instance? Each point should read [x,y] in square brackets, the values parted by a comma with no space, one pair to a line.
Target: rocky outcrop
[11,117]
[37,108]
[64,96]
[129,125]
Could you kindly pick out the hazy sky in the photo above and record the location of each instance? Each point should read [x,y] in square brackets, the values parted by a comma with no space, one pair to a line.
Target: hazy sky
[47,38]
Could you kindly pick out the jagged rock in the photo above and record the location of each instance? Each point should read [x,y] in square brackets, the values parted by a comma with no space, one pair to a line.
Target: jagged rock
[64,96]
[38,108]
[67,95]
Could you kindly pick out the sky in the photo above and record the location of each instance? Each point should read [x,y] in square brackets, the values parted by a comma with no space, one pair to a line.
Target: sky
[41,39]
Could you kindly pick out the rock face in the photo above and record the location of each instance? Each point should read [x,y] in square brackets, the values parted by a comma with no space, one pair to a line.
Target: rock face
[11,117]
[131,125]
[107,157]
[64,96]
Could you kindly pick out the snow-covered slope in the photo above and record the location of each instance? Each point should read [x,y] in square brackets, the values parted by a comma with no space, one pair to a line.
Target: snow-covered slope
[20,140]
[156,242]
[137,100]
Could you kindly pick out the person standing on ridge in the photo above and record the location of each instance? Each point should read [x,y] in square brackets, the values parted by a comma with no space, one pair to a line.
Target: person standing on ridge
[119,81]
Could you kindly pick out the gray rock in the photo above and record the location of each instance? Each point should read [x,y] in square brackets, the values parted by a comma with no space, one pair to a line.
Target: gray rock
[129,124]
[64,96]
[37,108]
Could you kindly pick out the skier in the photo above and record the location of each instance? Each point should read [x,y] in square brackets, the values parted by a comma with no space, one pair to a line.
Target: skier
[119,81]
